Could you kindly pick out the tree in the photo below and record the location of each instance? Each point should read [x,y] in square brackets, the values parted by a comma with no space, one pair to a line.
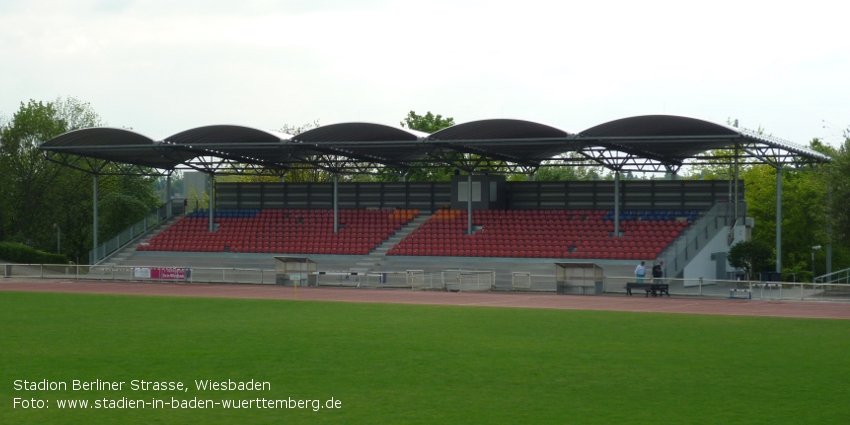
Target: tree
[303,172]
[752,256]
[295,130]
[26,175]
[299,173]
[421,172]
[36,193]
[586,171]
[428,123]
[806,211]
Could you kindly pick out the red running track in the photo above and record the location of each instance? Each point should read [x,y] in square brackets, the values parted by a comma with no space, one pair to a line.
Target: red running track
[819,310]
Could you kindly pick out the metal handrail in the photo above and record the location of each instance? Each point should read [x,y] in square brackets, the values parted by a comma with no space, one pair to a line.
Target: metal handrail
[129,234]
[841,276]
[685,248]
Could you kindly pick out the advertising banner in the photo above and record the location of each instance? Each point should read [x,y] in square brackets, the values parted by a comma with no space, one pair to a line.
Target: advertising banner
[161,273]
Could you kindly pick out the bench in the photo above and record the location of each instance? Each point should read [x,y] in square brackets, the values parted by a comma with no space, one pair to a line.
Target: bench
[656,289]
[732,293]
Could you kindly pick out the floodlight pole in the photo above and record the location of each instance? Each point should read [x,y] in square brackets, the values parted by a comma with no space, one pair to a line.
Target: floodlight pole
[814,248]
[58,238]
[813,264]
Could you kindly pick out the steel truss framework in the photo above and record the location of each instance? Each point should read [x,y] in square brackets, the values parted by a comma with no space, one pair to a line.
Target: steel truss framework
[651,143]
[622,145]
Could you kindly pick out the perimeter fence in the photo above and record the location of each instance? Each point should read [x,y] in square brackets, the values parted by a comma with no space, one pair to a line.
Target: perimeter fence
[450,280]
[442,280]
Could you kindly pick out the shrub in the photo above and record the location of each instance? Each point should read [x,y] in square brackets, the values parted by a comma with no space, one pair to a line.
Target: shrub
[752,256]
[20,253]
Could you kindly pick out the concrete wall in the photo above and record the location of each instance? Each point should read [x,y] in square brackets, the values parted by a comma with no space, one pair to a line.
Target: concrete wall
[703,266]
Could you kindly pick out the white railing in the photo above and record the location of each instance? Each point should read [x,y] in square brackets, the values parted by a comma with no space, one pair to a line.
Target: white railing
[468,280]
[451,280]
[756,290]
[530,282]
[135,230]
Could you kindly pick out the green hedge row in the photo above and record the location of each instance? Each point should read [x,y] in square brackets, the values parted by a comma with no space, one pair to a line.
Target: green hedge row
[20,253]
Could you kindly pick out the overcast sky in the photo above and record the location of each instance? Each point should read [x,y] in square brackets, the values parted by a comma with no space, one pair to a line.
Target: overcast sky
[161,67]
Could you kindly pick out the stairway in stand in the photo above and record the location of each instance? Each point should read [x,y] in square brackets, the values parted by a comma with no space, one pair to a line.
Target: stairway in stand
[379,254]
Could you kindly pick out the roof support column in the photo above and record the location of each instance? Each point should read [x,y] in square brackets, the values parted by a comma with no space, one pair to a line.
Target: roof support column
[779,219]
[469,204]
[96,257]
[168,196]
[729,177]
[616,203]
[212,202]
[336,202]
[736,183]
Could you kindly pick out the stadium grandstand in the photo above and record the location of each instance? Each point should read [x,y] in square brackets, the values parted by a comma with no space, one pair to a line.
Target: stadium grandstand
[504,225]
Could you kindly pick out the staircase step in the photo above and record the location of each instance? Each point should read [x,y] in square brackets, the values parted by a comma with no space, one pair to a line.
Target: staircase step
[123,254]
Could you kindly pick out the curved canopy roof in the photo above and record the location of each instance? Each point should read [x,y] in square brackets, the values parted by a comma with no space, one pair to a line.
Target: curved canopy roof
[658,126]
[518,141]
[358,132]
[233,142]
[368,142]
[676,138]
[641,143]
[225,136]
[499,129]
[114,144]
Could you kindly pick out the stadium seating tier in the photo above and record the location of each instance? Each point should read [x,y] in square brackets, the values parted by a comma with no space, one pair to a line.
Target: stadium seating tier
[546,234]
[281,231]
[498,233]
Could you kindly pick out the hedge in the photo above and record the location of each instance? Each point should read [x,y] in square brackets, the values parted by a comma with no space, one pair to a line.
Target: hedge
[20,253]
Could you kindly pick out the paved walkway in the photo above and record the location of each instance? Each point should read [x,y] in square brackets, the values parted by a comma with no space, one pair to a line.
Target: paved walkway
[822,310]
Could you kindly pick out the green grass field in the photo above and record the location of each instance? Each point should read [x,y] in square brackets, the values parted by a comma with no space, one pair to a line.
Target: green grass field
[421,364]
